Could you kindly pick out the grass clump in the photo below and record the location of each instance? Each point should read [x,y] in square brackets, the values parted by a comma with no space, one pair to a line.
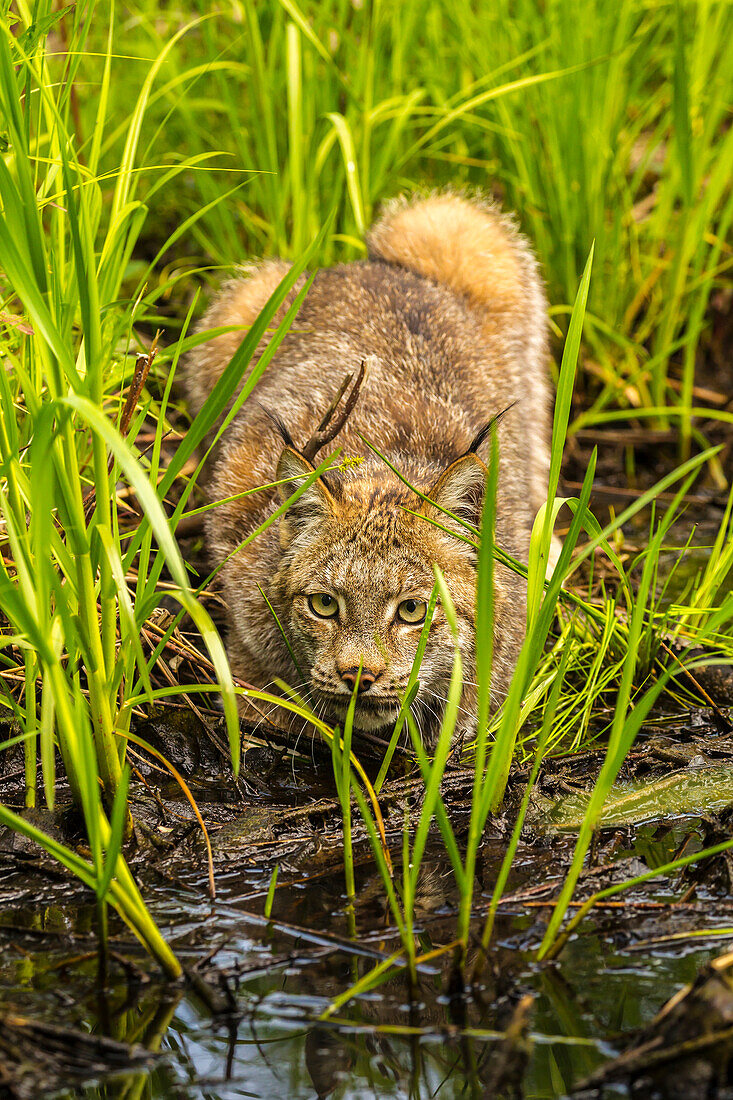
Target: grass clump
[74,597]
[595,122]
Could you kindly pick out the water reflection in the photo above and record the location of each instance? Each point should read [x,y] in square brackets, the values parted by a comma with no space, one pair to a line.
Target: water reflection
[392,1042]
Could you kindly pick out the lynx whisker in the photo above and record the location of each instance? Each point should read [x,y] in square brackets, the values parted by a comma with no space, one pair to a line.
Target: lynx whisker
[444,700]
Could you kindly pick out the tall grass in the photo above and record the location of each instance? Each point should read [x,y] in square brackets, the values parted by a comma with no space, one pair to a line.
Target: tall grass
[73,595]
[594,121]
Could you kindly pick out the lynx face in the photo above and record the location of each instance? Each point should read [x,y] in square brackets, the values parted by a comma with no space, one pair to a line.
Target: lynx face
[354,584]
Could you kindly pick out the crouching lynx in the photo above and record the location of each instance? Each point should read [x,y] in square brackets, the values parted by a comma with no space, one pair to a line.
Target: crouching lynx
[449,310]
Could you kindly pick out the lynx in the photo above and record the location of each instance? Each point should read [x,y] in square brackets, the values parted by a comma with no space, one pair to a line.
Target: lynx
[450,312]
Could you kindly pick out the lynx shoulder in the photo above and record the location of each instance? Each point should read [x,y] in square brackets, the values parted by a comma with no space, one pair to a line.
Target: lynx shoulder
[449,311]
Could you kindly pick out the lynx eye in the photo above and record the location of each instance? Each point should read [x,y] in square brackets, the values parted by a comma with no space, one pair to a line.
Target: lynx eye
[323,605]
[412,611]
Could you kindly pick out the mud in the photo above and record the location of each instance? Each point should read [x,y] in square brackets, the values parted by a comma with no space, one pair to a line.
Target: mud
[246,1022]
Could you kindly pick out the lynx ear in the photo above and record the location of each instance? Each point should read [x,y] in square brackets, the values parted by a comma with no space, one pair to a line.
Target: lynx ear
[459,490]
[312,506]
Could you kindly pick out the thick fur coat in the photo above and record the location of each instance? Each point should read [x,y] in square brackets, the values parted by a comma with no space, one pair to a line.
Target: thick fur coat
[450,311]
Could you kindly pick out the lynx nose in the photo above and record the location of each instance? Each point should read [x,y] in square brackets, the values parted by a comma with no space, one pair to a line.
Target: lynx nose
[350,676]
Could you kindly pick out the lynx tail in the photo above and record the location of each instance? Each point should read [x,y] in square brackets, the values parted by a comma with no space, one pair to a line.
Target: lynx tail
[476,251]
[466,245]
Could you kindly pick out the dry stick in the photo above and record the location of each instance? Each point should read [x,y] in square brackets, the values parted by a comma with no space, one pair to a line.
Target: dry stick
[143,364]
[191,655]
[616,491]
[654,906]
[206,665]
[171,678]
[625,436]
[323,433]
[168,675]
[698,687]
[182,648]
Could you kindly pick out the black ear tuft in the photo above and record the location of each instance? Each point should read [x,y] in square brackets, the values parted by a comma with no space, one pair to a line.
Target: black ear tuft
[483,433]
[280,426]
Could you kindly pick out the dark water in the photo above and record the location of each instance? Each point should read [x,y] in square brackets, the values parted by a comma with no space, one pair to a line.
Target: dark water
[392,1042]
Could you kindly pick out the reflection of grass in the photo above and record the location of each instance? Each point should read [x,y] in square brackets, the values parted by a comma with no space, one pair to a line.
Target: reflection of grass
[246,132]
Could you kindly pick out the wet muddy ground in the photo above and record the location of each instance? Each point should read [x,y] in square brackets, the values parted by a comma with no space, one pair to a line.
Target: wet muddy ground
[246,1022]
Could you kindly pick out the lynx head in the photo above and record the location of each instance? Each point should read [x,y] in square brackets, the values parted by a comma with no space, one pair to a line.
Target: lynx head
[355,579]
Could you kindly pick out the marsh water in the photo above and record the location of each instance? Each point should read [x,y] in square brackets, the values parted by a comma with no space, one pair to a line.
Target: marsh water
[255,1026]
